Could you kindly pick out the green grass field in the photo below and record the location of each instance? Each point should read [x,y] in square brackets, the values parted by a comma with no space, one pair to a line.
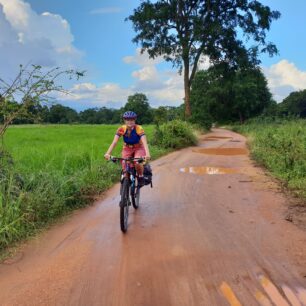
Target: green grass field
[281,147]
[56,168]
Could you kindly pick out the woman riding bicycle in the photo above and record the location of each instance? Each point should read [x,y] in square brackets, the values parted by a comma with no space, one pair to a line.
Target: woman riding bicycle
[135,143]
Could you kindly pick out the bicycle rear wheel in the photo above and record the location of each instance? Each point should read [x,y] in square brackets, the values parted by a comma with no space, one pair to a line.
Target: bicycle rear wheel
[124,205]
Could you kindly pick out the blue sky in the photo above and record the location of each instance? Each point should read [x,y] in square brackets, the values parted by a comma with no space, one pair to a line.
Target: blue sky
[93,35]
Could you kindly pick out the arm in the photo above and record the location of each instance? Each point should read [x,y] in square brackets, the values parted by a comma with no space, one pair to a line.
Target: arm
[111,147]
[145,144]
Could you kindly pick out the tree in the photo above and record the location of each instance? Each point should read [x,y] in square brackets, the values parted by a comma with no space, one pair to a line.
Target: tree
[62,114]
[221,94]
[140,105]
[164,114]
[184,30]
[294,104]
[32,86]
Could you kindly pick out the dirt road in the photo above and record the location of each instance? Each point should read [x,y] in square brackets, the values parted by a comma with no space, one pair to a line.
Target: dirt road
[211,232]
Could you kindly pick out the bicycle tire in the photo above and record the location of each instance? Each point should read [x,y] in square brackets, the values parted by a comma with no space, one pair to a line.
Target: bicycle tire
[124,206]
[135,198]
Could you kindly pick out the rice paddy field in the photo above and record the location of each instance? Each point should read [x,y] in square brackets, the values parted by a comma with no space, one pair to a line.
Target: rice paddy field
[54,169]
[280,146]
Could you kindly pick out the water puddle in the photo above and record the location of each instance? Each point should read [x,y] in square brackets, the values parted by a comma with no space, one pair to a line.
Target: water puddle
[208,170]
[210,139]
[222,151]
[219,137]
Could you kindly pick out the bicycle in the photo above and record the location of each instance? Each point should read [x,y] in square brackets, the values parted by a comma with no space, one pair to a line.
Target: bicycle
[129,189]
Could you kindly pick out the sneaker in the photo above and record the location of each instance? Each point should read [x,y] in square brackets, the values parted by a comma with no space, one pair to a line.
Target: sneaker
[141,181]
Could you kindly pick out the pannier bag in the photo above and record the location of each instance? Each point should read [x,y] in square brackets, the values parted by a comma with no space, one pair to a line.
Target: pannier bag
[147,174]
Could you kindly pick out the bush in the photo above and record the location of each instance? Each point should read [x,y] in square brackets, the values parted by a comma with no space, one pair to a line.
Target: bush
[174,135]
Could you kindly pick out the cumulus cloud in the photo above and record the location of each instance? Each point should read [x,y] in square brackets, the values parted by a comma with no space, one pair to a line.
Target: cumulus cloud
[91,95]
[162,87]
[283,78]
[106,10]
[142,59]
[28,37]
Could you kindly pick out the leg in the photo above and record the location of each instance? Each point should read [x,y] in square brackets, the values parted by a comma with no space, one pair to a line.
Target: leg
[139,152]
[126,153]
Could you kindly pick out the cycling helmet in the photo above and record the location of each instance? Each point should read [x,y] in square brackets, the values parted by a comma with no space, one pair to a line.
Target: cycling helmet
[129,115]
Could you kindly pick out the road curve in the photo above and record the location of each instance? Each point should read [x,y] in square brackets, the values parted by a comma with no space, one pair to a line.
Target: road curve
[211,232]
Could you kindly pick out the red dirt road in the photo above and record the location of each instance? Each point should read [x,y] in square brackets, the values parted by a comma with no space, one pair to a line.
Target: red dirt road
[200,237]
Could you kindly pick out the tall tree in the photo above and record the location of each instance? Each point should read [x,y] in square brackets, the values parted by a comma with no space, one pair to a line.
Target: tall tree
[183,30]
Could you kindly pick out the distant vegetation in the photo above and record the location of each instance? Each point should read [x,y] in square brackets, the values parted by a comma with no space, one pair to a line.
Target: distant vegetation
[221,94]
[59,114]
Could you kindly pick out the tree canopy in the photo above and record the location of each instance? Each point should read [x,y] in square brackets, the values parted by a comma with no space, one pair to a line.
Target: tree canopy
[220,94]
[294,104]
[140,105]
[183,30]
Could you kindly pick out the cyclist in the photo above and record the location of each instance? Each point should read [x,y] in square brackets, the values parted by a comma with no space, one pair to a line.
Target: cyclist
[135,143]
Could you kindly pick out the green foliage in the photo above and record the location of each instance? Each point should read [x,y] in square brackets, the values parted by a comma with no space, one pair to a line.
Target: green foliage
[62,114]
[174,135]
[182,31]
[222,94]
[52,170]
[168,27]
[100,116]
[165,114]
[139,104]
[294,104]
[280,145]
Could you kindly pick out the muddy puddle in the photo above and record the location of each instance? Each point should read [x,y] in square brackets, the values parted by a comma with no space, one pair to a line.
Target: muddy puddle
[222,151]
[218,137]
[210,139]
[208,170]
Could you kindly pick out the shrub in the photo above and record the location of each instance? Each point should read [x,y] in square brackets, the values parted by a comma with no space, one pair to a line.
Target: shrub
[174,135]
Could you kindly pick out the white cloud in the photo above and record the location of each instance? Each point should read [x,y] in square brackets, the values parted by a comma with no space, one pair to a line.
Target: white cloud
[148,73]
[283,78]
[108,94]
[142,59]
[162,87]
[28,37]
[106,10]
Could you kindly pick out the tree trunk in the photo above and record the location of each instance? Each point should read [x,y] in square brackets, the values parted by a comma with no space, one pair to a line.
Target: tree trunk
[187,89]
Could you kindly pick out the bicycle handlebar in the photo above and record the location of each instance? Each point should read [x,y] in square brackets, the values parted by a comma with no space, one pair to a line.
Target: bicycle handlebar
[139,159]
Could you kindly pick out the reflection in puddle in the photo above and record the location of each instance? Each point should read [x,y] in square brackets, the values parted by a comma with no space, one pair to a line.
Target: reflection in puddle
[207,170]
[222,151]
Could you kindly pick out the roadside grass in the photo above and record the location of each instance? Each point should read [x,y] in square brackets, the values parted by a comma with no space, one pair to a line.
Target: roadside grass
[55,169]
[280,146]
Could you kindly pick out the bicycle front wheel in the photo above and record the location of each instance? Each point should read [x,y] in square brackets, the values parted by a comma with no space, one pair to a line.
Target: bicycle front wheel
[124,205]
[136,197]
